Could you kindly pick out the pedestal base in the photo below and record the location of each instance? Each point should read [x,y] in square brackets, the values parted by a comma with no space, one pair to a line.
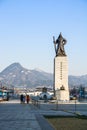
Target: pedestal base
[62,95]
[61,78]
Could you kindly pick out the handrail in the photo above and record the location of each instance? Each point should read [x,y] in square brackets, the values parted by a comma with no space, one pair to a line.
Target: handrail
[35,101]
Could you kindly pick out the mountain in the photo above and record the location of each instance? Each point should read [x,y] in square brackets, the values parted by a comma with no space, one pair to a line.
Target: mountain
[78,81]
[19,76]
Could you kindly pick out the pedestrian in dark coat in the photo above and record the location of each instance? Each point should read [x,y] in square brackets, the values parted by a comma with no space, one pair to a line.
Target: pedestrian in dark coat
[21,98]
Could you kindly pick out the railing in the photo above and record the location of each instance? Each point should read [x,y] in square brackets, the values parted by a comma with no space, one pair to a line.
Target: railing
[35,101]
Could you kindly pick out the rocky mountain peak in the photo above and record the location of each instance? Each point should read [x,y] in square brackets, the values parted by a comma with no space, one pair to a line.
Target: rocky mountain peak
[12,68]
[17,75]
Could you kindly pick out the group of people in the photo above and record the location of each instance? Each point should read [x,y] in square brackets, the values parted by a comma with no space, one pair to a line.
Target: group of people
[24,98]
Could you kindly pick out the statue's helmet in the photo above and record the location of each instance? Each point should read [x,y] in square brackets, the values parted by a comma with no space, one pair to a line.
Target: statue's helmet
[60,37]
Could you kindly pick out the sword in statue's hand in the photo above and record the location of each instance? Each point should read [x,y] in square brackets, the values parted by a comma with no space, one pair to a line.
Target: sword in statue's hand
[54,43]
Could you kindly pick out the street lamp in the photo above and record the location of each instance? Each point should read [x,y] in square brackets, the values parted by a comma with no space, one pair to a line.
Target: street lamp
[0,84]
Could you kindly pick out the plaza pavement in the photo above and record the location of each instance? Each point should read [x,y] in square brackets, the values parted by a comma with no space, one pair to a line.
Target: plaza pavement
[16,116]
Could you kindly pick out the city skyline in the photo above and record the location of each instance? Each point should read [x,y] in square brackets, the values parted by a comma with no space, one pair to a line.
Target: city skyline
[27,29]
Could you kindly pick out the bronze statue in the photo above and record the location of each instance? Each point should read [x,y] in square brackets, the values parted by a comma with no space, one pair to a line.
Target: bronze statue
[59,45]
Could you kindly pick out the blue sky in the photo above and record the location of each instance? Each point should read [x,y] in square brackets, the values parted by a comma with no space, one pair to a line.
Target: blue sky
[27,28]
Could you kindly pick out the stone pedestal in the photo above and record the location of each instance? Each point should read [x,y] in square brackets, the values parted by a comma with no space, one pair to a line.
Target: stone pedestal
[61,77]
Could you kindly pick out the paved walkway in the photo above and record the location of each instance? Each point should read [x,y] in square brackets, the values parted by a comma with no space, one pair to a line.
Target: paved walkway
[16,116]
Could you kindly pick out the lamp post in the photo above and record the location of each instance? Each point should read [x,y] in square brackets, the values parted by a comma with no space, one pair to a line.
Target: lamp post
[75,105]
[57,106]
[0,84]
[57,99]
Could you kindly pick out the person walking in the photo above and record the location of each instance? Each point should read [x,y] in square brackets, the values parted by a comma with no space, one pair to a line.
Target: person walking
[21,98]
[27,98]
[24,99]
